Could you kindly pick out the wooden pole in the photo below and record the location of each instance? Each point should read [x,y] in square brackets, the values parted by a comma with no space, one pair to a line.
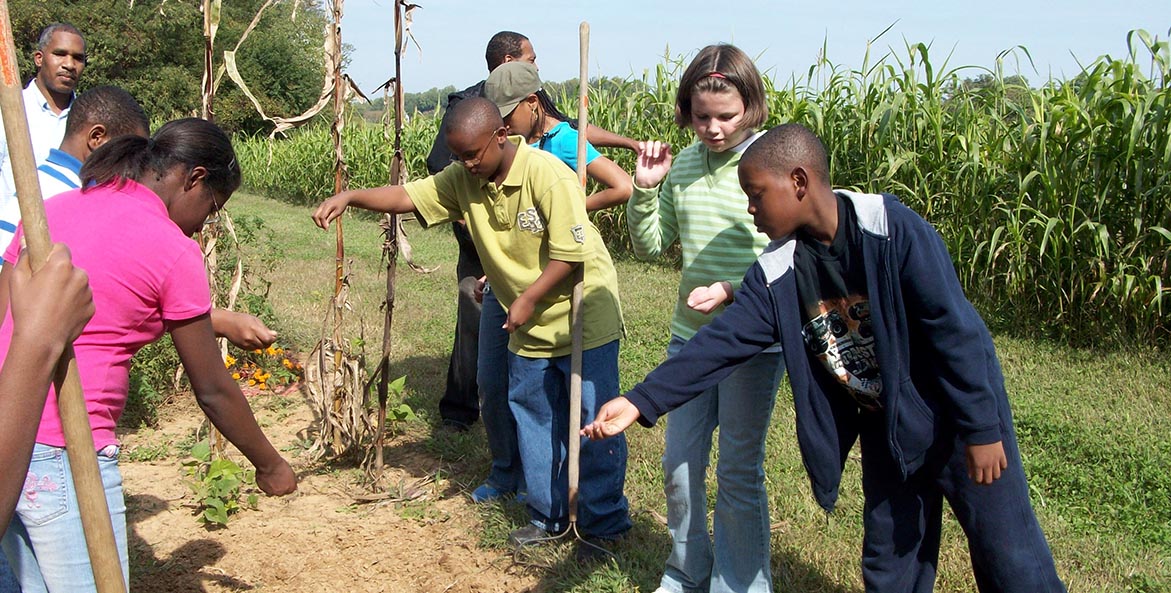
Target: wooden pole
[575,314]
[79,441]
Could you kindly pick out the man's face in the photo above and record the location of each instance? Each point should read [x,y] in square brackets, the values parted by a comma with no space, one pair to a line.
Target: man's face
[527,54]
[60,64]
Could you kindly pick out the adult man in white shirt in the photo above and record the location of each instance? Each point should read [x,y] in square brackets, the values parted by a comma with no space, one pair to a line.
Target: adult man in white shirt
[60,59]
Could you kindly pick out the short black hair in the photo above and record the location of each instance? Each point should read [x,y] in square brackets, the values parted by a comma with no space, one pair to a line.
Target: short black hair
[504,43]
[48,32]
[475,114]
[189,142]
[109,106]
[786,147]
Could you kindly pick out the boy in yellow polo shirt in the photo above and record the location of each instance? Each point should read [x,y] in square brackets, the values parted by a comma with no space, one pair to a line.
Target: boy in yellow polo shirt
[526,213]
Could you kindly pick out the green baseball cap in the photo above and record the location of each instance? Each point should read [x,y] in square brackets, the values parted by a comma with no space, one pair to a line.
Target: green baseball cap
[510,83]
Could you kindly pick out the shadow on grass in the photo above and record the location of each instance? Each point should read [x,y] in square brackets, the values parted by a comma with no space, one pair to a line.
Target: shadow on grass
[420,447]
[183,570]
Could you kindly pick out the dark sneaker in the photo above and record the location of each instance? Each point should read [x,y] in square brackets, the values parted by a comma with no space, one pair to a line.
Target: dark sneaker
[529,534]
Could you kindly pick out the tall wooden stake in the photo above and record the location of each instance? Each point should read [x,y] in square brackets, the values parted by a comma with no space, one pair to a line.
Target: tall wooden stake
[79,440]
[575,312]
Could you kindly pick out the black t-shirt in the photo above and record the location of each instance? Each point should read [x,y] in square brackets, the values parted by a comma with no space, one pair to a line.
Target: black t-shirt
[835,309]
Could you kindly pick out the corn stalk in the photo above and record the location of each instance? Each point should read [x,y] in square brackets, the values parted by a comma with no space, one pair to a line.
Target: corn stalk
[335,376]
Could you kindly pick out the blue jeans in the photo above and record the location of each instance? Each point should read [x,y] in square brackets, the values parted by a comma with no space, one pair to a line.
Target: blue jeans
[902,518]
[492,377]
[45,542]
[741,406]
[538,394]
[8,582]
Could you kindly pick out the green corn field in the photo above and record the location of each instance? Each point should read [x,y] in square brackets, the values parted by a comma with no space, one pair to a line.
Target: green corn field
[1054,198]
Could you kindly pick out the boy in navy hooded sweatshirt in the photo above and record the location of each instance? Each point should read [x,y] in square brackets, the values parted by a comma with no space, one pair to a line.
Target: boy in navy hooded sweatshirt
[881,346]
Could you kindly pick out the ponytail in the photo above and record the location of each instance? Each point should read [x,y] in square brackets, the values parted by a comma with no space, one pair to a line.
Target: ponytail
[124,157]
[551,109]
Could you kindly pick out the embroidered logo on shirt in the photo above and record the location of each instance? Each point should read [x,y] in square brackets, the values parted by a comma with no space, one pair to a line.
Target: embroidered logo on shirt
[578,233]
[530,221]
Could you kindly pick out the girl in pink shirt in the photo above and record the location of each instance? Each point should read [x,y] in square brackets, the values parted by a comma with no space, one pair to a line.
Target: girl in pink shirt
[130,231]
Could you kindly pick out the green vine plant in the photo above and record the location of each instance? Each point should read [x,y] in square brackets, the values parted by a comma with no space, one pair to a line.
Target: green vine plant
[218,485]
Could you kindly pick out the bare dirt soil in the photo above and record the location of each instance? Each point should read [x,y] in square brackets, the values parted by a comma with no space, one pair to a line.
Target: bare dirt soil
[320,539]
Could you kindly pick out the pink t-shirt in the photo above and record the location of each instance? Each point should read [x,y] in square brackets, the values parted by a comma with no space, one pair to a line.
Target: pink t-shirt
[142,271]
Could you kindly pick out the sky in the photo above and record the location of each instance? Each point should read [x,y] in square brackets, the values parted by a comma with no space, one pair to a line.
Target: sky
[785,38]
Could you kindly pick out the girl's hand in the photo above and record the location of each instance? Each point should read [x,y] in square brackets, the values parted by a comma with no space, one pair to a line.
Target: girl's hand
[246,332]
[985,462]
[706,299]
[652,163]
[331,209]
[277,481]
[615,416]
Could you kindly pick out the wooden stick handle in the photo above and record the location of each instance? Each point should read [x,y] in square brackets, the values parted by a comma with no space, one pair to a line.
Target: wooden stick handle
[79,441]
[575,312]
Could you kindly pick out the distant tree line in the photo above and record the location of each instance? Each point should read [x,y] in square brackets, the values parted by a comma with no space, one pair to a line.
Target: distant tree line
[154,50]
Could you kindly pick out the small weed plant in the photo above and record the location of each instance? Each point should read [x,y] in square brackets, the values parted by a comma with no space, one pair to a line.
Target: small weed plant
[219,485]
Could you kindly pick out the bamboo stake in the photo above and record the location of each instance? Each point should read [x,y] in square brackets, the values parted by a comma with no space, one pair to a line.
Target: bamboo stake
[578,288]
[79,442]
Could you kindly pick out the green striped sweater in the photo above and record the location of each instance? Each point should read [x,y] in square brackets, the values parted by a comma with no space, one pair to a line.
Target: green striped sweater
[700,203]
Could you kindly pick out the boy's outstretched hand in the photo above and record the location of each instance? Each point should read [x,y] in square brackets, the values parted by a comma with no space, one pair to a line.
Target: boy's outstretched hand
[615,416]
[330,209]
[985,462]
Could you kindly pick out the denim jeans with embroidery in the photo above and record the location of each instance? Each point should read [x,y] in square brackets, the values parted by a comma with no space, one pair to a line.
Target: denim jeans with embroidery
[45,543]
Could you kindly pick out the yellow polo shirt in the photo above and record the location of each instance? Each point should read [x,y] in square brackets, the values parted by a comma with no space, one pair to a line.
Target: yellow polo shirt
[537,214]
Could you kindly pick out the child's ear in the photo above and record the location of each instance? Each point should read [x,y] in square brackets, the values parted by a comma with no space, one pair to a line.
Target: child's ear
[96,137]
[800,178]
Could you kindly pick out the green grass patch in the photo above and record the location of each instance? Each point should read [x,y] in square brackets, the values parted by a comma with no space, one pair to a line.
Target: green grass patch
[1093,428]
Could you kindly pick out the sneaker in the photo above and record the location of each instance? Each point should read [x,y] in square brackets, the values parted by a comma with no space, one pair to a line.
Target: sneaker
[487,493]
[529,534]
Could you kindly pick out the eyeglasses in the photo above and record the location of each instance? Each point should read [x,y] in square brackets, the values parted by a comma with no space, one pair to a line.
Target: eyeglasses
[214,217]
[472,162]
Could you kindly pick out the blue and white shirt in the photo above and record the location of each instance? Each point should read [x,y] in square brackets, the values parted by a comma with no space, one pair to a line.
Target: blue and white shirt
[46,130]
[57,174]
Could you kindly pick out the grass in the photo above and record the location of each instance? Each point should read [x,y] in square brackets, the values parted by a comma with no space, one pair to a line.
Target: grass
[1093,427]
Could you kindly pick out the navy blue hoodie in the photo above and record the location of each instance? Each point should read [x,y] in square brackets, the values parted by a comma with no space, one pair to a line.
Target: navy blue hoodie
[939,368]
